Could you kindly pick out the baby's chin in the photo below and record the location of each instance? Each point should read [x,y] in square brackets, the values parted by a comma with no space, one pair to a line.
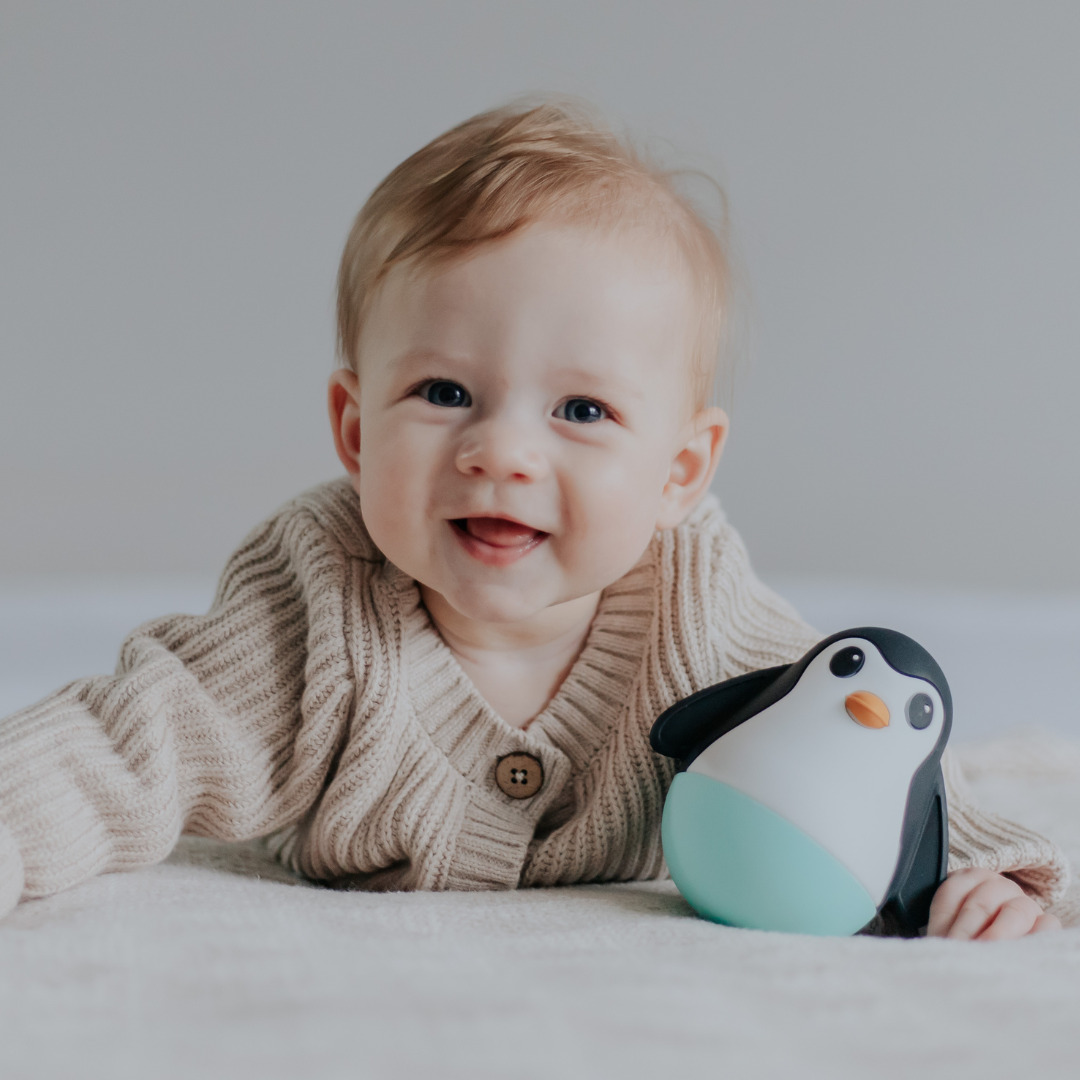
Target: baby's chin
[491,604]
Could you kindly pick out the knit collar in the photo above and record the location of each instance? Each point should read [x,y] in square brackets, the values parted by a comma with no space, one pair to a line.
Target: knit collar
[585,708]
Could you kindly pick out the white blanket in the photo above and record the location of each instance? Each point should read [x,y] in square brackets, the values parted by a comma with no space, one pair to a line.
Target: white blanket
[219,964]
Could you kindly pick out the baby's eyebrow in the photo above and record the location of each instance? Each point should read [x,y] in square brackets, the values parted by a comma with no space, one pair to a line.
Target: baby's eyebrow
[592,382]
[420,358]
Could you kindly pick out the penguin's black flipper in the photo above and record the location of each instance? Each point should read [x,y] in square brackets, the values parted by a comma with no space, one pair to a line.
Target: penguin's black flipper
[924,854]
[709,713]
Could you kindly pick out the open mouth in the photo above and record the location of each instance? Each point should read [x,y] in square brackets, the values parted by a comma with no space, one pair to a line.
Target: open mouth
[496,541]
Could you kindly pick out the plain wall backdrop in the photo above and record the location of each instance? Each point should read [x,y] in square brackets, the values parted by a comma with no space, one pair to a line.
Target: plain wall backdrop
[178,179]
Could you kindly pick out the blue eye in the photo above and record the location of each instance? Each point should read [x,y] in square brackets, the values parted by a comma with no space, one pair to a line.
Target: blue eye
[445,393]
[581,411]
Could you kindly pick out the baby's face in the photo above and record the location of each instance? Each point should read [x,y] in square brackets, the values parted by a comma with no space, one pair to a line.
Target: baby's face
[521,417]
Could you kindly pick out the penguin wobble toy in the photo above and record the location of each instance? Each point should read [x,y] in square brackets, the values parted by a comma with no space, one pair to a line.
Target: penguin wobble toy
[809,797]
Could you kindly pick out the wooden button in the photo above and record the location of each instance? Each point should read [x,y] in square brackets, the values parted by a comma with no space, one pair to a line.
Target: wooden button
[519,775]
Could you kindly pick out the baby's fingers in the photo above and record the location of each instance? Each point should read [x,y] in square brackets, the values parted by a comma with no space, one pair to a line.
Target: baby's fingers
[1014,919]
[950,898]
[979,904]
[978,910]
[1046,921]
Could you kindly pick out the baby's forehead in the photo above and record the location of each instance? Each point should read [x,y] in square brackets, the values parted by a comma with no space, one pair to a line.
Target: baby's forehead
[632,241]
[554,289]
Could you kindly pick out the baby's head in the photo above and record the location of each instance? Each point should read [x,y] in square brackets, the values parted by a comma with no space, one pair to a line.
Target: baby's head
[530,316]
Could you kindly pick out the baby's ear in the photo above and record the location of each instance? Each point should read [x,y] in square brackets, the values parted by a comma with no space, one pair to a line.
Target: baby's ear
[343,402]
[693,466]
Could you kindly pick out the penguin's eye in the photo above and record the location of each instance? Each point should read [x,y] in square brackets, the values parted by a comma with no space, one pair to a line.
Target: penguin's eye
[847,662]
[920,711]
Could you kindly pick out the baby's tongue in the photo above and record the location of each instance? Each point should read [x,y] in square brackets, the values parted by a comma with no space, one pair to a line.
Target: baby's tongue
[500,533]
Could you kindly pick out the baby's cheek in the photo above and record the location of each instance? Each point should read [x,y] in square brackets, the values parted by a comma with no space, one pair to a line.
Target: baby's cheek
[615,519]
[390,497]
[626,492]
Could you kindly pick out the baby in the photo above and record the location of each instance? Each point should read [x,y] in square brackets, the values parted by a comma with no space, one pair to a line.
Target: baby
[440,671]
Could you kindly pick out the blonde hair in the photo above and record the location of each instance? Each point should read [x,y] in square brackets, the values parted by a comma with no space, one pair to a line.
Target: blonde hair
[504,170]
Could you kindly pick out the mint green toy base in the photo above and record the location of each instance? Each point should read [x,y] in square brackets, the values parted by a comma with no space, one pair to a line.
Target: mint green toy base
[740,863]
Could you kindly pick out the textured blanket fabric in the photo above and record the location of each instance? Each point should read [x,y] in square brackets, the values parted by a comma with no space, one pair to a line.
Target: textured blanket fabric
[219,964]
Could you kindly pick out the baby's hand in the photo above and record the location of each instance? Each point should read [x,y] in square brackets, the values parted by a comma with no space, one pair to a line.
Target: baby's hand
[981,905]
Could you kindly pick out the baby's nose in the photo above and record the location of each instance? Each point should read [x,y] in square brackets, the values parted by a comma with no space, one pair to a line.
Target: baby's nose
[502,450]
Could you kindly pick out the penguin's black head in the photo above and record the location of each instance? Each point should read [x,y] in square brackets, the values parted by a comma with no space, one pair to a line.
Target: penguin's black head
[902,654]
[690,725]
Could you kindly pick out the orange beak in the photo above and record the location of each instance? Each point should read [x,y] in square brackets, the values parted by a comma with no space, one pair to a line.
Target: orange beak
[867,709]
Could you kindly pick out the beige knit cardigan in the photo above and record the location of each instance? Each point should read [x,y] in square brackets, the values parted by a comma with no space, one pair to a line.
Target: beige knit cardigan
[316,704]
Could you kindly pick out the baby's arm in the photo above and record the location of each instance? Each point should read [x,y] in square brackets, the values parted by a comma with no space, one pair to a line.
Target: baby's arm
[224,725]
[1003,877]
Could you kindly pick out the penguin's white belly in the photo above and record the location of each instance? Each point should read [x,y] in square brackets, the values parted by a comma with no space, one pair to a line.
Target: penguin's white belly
[843,784]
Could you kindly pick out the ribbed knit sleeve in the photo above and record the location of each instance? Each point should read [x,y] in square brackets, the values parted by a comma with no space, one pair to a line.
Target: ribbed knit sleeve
[223,725]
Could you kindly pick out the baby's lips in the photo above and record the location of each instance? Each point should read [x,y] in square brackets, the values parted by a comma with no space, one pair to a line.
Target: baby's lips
[501,533]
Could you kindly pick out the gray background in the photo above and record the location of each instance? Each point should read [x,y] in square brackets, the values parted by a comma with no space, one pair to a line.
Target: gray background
[177,181]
